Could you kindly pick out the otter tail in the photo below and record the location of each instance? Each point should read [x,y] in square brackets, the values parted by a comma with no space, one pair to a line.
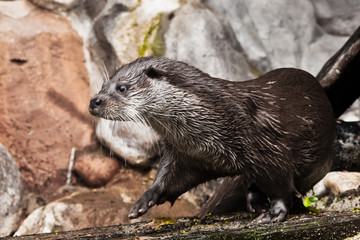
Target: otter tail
[230,197]
[341,73]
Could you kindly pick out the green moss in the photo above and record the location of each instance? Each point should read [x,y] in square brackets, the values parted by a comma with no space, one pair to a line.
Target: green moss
[152,41]
[254,70]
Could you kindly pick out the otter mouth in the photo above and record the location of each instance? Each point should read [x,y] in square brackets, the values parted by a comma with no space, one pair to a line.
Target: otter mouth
[94,112]
[97,113]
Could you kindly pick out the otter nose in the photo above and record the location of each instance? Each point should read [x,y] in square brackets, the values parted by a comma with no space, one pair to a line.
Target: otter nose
[95,102]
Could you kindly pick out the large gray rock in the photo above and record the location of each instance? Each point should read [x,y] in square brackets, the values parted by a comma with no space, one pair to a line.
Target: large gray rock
[198,36]
[337,17]
[11,189]
[315,55]
[278,34]
[237,13]
[284,29]
[279,30]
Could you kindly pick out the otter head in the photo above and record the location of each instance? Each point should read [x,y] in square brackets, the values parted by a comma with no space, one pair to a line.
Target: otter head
[132,92]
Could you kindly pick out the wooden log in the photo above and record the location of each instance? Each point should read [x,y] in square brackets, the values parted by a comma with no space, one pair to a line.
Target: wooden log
[305,226]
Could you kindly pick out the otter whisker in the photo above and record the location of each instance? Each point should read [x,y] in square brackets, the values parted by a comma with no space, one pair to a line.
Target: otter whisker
[105,71]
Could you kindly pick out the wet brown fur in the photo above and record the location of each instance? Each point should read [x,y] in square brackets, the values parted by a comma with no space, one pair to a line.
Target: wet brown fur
[274,132]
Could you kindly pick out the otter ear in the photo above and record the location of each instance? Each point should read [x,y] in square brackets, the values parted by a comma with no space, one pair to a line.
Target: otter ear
[154,73]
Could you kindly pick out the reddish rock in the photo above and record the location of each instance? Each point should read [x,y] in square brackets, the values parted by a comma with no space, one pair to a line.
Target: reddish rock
[96,170]
[44,93]
[101,207]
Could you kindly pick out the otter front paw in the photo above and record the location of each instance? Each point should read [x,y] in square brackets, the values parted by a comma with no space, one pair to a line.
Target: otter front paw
[147,200]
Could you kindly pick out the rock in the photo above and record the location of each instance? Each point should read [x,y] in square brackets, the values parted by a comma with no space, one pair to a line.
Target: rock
[219,55]
[352,114]
[56,5]
[44,93]
[347,146]
[136,143]
[95,169]
[96,208]
[134,33]
[271,39]
[284,34]
[339,191]
[236,12]
[11,189]
[337,18]
[81,209]
[121,30]
[338,183]
[318,52]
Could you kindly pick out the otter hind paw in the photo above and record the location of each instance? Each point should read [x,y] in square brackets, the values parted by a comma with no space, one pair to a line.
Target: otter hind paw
[277,213]
[147,200]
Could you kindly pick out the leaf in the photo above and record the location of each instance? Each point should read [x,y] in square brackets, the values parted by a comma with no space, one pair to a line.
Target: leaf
[313,199]
[306,202]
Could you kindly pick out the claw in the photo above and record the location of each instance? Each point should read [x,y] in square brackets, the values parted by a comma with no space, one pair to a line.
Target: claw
[263,218]
[147,200]
[151,203]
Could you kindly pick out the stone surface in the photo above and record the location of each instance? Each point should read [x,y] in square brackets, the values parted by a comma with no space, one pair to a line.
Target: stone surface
[56,5]
[237,13]
[11,189]
[134,142]
[338,191]
[95,169]
[337,18]
[44,93]
[190,37]
[99,207]
[272,38]
[134,33]
[338,183]
[315,55]
[347,146]
[284,34]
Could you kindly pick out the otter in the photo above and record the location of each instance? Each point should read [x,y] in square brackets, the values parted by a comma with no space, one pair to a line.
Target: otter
[274,133]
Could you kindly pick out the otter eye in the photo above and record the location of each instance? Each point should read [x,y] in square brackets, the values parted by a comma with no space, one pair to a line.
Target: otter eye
[121,88]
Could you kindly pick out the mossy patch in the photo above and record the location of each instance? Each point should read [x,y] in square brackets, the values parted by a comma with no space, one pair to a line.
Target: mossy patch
[153,43]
